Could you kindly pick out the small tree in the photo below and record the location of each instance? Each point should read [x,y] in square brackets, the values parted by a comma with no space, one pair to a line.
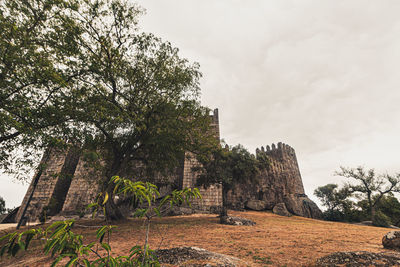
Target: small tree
[335,200]
[390,206]
[228,166]
[62,243]
[370,186]
[2,206]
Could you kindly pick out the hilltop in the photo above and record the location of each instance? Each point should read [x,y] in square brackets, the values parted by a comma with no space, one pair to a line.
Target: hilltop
[273,241]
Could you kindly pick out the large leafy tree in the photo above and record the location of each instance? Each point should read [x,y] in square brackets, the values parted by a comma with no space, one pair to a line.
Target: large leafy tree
[140,99]
[39,60]
[90,77]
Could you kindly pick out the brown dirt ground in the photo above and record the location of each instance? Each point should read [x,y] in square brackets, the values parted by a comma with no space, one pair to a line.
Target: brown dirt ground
[273,241]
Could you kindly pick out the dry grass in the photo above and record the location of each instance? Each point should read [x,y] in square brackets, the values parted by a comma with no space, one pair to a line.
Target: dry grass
[273,241]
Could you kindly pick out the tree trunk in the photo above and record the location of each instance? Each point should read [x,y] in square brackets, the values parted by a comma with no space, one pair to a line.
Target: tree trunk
[224,210]
[373,213]
[113,213]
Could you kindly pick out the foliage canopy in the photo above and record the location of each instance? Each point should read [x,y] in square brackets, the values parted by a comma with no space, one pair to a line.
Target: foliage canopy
[376,201]
[226,166]
[80,71]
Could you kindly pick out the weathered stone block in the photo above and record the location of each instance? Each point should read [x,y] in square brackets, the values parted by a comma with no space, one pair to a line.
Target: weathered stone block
[256,204]
[280,209]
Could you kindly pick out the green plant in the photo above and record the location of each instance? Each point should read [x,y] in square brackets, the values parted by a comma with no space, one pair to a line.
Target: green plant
[2,206]
[381,219]
[63,244]
[227,166]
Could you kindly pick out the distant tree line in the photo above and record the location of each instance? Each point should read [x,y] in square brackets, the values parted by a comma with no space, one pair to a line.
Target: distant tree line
[367,197]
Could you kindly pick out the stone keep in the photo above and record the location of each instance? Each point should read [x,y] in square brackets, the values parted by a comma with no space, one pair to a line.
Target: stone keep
[280,182]
[65,184]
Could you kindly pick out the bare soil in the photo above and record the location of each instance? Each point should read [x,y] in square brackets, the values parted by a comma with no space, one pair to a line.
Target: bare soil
[273,241]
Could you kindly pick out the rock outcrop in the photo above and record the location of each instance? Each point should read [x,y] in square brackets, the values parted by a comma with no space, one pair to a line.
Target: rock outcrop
[280,209]
[256,205]
[359,258]
[193,256]
[391,240]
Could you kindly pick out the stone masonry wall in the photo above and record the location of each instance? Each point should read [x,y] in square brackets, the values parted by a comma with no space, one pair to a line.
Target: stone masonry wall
[84,187]
[211,197]
[280,182]
[52,162]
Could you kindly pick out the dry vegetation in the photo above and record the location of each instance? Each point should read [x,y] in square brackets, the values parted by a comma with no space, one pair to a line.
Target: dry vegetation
[273,241]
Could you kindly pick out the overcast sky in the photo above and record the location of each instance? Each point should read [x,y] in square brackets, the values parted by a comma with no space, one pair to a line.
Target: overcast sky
[321,76]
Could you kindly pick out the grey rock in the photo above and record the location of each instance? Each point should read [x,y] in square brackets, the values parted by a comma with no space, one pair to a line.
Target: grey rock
[359,258]
[391,240]
[256,205]
[230,220]
[301,205]
[280,209]
[180,256]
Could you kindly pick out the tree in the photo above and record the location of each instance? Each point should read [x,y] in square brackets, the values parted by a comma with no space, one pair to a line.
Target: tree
[227,166]
[116,89]
[390,206]
[39,61]
[2,206]
[140,99]
[370,187]
[62,242]
[335,200]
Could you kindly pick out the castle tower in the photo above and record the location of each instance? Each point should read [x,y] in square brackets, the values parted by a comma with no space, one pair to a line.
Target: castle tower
[284,166]
[279,182]
[211,196]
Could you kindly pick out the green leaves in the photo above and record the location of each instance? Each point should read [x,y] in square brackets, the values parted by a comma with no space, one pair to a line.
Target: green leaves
[101,232]
[148,194]
[15,242]
[62,243]
[228,165]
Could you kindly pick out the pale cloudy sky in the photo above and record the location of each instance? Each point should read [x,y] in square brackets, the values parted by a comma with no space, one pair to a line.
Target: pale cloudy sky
[321,76]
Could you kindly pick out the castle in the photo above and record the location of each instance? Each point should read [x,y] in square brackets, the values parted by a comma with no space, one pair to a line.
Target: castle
[66,184]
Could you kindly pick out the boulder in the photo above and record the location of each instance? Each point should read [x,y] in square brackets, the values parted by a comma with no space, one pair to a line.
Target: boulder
[391,240]
[256,205]
[230,220]
[301,205]
[280,209]
[359,258]
[187,256]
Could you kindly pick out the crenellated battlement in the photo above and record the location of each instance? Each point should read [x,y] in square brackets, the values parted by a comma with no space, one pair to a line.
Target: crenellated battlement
[280,150]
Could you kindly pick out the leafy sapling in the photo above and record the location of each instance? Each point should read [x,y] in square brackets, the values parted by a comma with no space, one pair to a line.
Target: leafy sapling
[59,241]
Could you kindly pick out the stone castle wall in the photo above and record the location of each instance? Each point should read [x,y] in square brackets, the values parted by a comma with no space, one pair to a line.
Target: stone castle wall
[84,188]
[51,165]
[211,196]
[68,181]
[73,183]
[279,182]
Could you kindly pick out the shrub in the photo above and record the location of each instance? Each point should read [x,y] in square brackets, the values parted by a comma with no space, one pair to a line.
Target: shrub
[381,219]
[61,242]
